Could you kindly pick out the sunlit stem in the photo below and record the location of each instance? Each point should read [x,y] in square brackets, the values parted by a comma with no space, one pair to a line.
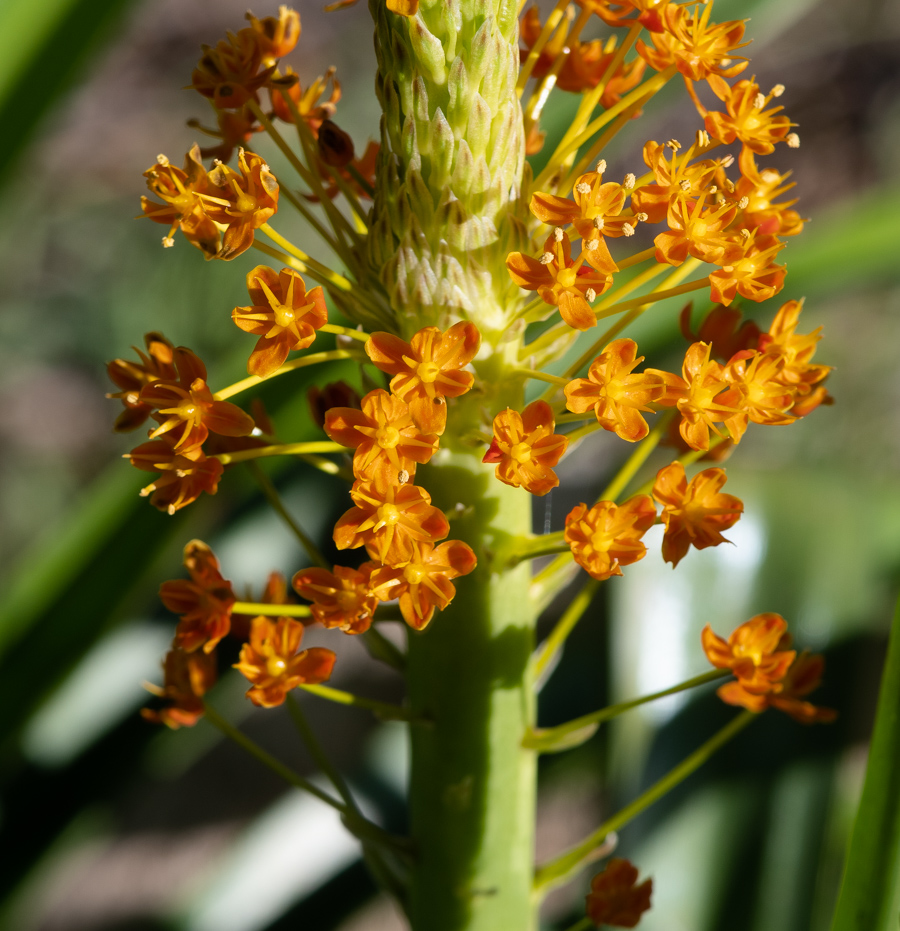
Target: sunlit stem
[281,449]
[269,610]
[316,751]
[542,545]
[637,258]
[654,297]
[548,739]
[547,653]
[351,332]
[549,28]
[590,100]
[647,89]
[381,709]
[274,499]
[574,418]
[331,355]
[560,870]
[310,217]
[322,271]
[582,432]
[253,748]
[539,375]
[687,459]
[636,459]
[284,258]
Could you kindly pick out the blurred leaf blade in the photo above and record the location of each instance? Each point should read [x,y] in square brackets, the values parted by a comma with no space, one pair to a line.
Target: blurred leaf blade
[871,883]
[43,47]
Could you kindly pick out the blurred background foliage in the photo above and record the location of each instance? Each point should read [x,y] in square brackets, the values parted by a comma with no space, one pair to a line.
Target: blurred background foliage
[110,824]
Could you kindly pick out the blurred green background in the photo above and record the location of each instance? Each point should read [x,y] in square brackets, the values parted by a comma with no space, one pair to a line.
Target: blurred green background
[109,824]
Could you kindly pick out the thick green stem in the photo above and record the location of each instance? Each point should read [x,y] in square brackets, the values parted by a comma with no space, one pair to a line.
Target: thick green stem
[472,785]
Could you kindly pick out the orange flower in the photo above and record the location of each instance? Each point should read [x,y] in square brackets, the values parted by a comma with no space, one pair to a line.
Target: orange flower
[247,199]
[752,273]
[389,520]
[307,102]
[188,404]
[697,230]
[525,448]
[182,191]
[754,653]
[615,898]
[749,118]
[562,282]
[334,394]
[695,513]
[229,72]
[427,369]
[595,213]
[618,12]
[762,213]
[605,537]
[756,392]
[698,49]
[423,584]
[803,677]
[187,677]
[697,395]
[275,36]
[204,602]
[384,436]
[156,365]
[724,329]
[794,349]
[616,395]
[184,477]
[271,661]
[675,177]
[284,316]
[345,598]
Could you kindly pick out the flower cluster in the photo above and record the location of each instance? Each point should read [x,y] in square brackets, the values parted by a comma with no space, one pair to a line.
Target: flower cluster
[768,673]
[392,517]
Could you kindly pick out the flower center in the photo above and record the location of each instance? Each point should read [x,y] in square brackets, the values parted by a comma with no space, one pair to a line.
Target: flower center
[414,574]
[388,437]
[521,452]
[566,277]
[428,371]
[284,315]
[389,514]
[275,666]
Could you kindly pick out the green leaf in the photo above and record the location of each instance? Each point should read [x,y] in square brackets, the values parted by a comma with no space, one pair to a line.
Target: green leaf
[870,891]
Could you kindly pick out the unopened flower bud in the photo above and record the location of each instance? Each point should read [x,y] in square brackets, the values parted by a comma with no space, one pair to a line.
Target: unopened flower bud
[793,140]
[335,146]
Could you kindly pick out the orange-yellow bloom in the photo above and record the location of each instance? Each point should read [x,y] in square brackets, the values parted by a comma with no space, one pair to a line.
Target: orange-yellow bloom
[752,273]
[423,584]
[615,898]
[595,213]
[749,118]
[619,12]
[607,536]
[563,282]
[675,177]
[697,395]
[184,477]
[271,661]
[698,48]
[229,73]
[181,192]
[284,315]
[756,392]
[389,520]
[308,103]
[187,677]
[526,449]
[697,230]
[275,36]
[755,652]
[803,677]
[762,213]
[188,406]
[795,350]
[723,328]
[384,435]
[695,513]
[615,392]
[427,369]
[246,199]
[157,364]
[204,602]
[345,599]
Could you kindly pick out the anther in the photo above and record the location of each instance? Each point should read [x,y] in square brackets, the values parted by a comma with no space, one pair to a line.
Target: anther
[641,217]
[724,62]
[729,185]
[713,189]
[583,187]
[745,233]
[629,181]
[674,145]
[744,202]
[403,476]
[601,166]
[759,101]
[591,295]
[558,234]
[727,162]
[777,90]
[598,223]
[168,242]
[547,258]
[769,175]
[793,140]
[162,160]
[702,140]
[591,245]
[628,229]
[685,185]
